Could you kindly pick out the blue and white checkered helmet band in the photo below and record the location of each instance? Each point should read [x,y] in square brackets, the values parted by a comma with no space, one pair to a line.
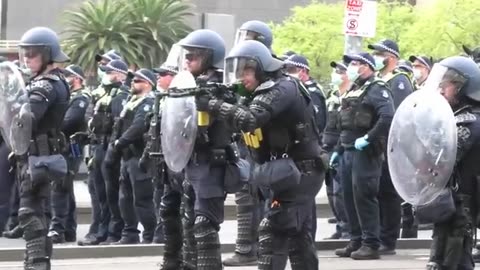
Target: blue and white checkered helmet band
[169,69]
[74,73]
[358,56]
[297,64]
[424,62]
[145,78]
[116,69]
[388,49]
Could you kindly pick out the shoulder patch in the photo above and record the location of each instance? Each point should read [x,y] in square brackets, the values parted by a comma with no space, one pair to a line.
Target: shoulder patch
[465,117]
[44,84]
[463,133]
[52,77]
[385,94]
[266,85]
[146,108]
[401,86]
[81,104]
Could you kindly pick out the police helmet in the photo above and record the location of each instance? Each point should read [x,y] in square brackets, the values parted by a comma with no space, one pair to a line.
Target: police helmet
[256,30]
[249,54]
[45,41]
[464,70]
[208,40]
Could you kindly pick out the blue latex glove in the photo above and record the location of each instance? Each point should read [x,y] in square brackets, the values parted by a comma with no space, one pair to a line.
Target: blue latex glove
[361,143]
[334,159]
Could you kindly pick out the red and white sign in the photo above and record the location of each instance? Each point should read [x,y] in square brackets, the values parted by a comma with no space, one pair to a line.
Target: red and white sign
[360,18]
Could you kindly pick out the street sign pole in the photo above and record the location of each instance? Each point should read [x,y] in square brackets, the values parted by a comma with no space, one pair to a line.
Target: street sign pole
[359,22]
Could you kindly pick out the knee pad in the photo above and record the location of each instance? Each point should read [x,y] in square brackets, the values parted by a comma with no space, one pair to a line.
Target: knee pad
[203,226]
[168,212]
[33,226]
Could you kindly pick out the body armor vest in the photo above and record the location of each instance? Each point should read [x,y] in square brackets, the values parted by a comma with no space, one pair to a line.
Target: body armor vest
[356,118]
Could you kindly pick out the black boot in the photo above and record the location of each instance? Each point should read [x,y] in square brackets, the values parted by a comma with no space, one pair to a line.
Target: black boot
[239,259]
[347,251]
[409,227]
[365,253]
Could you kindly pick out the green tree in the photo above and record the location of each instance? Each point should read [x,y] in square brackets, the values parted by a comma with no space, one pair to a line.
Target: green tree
[438,30]
[441,29]
[159,24]
[141,30]
[314,31]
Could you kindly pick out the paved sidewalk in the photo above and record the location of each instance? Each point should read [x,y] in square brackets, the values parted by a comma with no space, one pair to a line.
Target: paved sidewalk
[405,260]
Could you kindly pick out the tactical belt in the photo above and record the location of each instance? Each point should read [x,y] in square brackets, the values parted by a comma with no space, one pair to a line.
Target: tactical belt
[44,144]
[216,156]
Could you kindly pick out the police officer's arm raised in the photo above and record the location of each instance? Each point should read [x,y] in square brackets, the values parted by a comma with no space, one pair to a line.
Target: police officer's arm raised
[267,104]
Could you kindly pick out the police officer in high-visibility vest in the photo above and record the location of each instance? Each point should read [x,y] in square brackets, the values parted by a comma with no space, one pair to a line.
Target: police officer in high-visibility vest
[365,117]
[387,54]
[136,187]
[422,65]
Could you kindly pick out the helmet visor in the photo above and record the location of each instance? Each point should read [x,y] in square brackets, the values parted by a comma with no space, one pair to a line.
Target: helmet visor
[442,78]
[243,35]
[239,68]
[33,56]
[195,60]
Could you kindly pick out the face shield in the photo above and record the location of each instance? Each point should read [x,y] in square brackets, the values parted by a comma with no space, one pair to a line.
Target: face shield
[195,60]
[442,77]
[237,69]
[243,35]
[34,57]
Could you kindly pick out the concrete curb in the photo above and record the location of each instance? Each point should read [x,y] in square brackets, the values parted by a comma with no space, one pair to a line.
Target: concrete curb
[95,252]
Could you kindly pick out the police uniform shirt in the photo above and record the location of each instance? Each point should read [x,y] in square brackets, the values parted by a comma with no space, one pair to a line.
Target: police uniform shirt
[74,119]
[400,86]
[319,103]
[141,106]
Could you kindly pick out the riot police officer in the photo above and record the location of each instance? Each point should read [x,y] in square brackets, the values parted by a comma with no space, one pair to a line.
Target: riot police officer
[366,113]
[49,95]
[63,227]
[106,109]
[331,134]
[386,54]
[421,69]
[136,189]
[282,136]
[249,204]
[204,51]
[452,238]
[255,30]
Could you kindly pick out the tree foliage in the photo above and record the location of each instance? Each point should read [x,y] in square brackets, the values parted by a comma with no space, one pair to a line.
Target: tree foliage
[141,30]
[437,30]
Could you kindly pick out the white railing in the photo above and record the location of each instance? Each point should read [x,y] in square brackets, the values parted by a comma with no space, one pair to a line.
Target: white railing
[9,44]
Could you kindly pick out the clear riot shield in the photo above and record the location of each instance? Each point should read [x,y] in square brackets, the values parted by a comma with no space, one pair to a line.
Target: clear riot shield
[179,123]
[422,143]
[15,114]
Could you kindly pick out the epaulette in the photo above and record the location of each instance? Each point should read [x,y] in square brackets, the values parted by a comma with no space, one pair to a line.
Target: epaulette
[52,77]
[43,84]
[465,117]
